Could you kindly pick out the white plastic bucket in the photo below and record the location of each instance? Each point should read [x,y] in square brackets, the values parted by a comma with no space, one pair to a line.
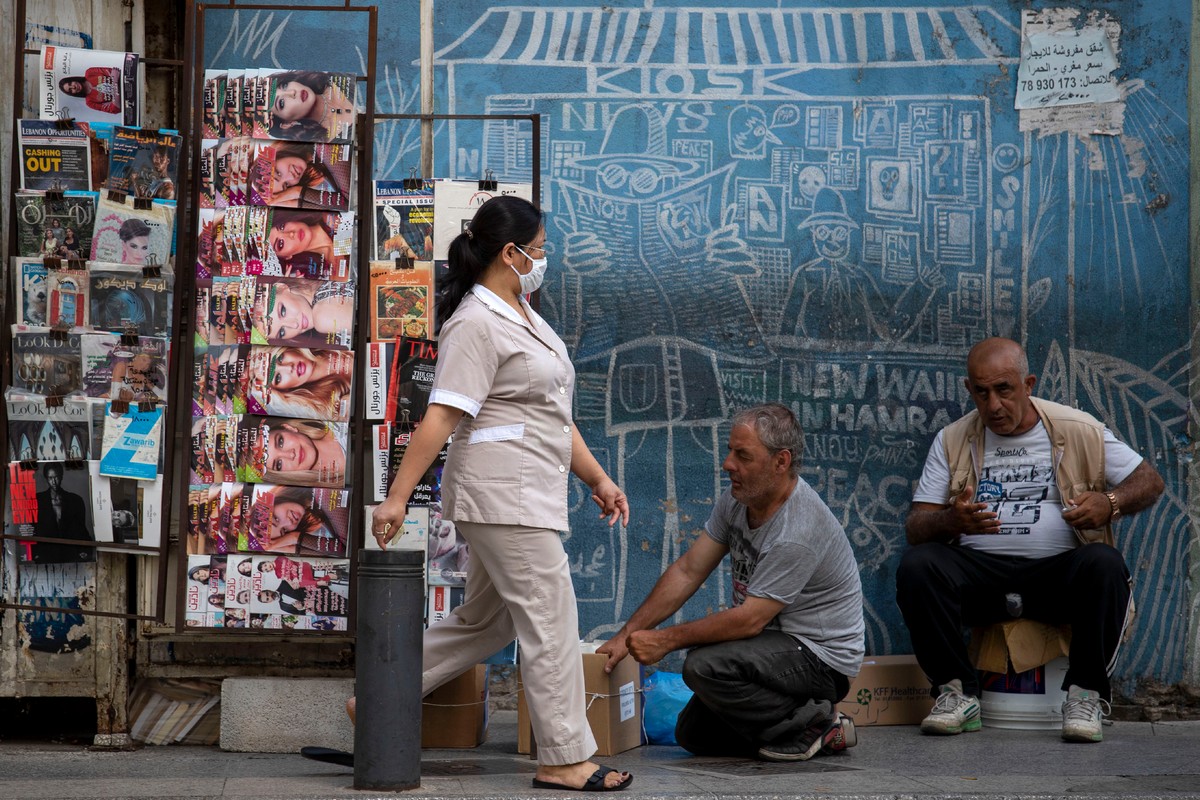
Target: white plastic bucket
[1024,701]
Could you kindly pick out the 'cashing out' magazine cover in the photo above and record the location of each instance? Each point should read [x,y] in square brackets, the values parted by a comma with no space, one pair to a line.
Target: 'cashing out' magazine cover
[53,158]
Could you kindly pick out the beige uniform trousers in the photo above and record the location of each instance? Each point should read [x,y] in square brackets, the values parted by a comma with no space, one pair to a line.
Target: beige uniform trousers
[519,584]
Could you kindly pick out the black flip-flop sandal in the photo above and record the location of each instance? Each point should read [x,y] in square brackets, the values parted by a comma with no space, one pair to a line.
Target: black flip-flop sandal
[594,783]
[328,755]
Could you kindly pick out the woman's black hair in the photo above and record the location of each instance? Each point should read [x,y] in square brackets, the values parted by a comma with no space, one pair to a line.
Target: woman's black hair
[133,228]
[499,221]
[69,79]
[301,130]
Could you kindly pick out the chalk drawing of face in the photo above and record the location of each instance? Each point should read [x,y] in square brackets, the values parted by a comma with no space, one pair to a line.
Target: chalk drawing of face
[810,181]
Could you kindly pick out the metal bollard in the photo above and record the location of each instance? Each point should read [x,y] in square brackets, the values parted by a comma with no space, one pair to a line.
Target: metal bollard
[387,672]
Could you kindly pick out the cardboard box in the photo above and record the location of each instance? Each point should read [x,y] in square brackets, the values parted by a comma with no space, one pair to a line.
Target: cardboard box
[889,690]
[1023,642]
[456,713]
[614,706]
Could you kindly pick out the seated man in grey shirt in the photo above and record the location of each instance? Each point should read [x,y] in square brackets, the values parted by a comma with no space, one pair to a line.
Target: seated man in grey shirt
[767,672]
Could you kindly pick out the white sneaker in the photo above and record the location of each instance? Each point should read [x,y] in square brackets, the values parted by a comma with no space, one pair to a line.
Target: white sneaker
[1082,713]
[954,712]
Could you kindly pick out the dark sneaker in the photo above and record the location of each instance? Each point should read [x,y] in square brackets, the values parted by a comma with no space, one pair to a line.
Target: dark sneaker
[844,735]
[829,736]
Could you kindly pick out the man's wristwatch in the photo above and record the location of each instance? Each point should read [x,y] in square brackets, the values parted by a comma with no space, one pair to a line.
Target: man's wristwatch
[1112,501]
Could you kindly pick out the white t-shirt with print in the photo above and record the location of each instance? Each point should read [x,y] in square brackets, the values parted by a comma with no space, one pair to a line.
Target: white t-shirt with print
[1017,482]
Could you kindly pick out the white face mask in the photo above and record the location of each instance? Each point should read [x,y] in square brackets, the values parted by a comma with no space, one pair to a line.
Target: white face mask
[531,281]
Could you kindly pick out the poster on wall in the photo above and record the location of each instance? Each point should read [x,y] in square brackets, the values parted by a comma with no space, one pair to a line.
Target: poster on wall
[89,85]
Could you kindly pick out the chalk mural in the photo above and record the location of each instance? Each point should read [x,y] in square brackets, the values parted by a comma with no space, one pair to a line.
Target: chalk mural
[827,207]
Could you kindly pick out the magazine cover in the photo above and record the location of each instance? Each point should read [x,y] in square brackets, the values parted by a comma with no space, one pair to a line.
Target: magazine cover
[130,372]
[132,443]
[447,554]
[57,505]
[208,242]
[403,221]
[306,106]
[233,103]
[204,591]
[298,382]
[89,85]
[294,452]
[235,220]
[52,158]
[377,370]
[301,244]
[454,206]
[122,298]
[401,300]
[58,228]
[302,175]
[296,520]
[202,535]
[44,362]
[411,379]
[413,535]
[127,235]
[299,312]
[67,298]
[135,508]
[212,121]
[315,601]
[37,432]
[29,275]
[144,163]
[100,142]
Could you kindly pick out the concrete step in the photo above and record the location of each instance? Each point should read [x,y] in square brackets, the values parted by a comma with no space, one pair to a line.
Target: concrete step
[281,715]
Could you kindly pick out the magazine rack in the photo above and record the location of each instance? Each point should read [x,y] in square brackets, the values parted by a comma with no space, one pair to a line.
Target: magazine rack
[177,67]
[197,13]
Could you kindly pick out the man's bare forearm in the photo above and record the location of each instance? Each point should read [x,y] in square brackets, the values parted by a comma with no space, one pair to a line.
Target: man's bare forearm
[1140,489]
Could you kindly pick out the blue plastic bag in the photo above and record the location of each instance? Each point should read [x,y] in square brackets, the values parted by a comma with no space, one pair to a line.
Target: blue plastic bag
[665,695]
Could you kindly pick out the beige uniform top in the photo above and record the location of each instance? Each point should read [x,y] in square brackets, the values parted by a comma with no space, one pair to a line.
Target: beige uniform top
[511,455]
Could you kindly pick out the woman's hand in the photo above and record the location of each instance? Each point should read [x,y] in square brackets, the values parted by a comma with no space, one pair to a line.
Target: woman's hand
[388,520]
[612,501]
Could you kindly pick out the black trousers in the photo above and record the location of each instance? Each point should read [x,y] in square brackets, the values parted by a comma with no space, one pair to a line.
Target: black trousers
[750,692]
[944,589]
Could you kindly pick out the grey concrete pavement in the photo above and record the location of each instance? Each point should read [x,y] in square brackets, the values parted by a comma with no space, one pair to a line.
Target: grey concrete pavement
[1138,759]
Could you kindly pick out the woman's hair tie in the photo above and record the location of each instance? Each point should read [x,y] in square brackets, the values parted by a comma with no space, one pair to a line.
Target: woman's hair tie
[467,232]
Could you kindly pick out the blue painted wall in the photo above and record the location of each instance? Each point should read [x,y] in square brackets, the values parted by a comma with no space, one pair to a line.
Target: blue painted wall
[689,151]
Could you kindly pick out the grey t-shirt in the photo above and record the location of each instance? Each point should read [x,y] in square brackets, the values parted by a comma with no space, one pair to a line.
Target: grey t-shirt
[799,557]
